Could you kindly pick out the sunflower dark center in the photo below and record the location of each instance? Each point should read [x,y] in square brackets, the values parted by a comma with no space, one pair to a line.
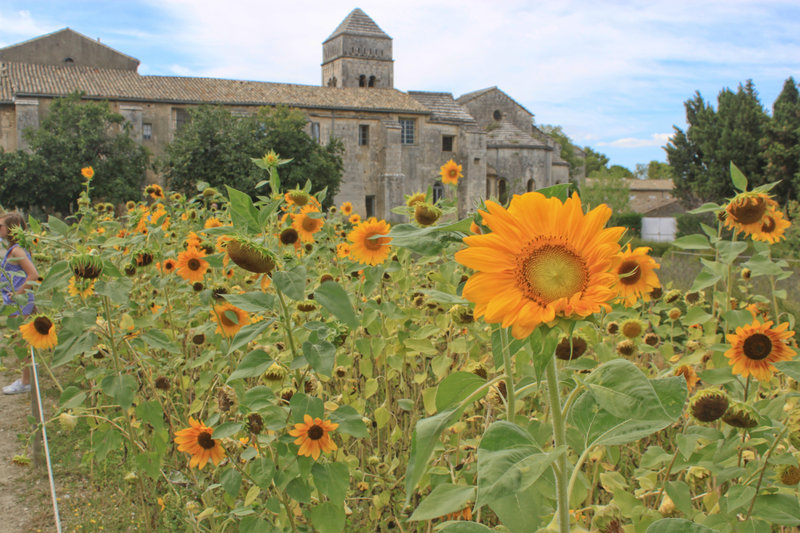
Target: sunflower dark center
[549,272]
[227,320]
[205,441]
[748,210]
[42,325]
[629,273]
[372,244]
[315,432]
[193,264]
[757,346]
[309,224]
[289,236]
[768,224]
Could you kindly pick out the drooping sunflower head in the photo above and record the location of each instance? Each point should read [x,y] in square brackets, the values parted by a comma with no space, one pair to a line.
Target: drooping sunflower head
[635,275]
[709,404]
[415,199]
[789,474]
[250,256]
[688,374]
[571,348]
[40,332]
[745,212]
[450,172]
[307,223]
[740,415]
[756,346]
[426,214]
[367,246]
[541,260]
[297,197]
[86,266]
[632,328]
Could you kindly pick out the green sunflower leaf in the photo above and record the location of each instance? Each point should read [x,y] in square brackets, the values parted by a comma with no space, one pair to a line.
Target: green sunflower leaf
[335,300]
[443,499]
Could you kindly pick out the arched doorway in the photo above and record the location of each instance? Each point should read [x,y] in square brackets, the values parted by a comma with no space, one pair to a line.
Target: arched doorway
[502,190]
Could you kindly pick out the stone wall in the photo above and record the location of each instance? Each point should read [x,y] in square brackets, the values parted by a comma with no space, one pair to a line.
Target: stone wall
[67,47]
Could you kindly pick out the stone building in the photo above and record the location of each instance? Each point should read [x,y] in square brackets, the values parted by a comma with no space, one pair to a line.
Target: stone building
[394,141]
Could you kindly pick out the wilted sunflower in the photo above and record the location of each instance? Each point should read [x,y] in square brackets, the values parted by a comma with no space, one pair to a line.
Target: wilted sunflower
[307,225]
[40,333]
[635,276]
[250,256]
[365,247]
[542,259]
[688,374]
[312,436]
[745,213]
[191,265]
[196,440]
[347,209]
[450,172]
[773,226]
[756,346]
[230,319]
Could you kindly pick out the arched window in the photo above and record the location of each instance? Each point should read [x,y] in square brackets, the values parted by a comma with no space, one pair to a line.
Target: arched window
[502,191]
[438,191]
[362,81]
[69,60]
[531,186]
[372,81]
[497,114]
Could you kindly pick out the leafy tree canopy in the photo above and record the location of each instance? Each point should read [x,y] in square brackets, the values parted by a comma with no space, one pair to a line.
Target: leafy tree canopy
[569,152]
[781,143]
[216,147]
[654,170]
[714,138]
[73,135]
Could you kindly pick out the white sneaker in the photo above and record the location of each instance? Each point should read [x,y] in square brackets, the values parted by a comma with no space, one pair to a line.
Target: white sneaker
[16,388]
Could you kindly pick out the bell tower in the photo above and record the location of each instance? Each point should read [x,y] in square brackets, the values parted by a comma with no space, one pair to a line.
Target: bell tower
[358,54]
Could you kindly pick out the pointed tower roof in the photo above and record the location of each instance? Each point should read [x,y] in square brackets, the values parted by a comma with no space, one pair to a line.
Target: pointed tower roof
[358,23]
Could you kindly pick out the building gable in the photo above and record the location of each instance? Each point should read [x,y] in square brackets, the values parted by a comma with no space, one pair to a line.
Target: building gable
[68,48]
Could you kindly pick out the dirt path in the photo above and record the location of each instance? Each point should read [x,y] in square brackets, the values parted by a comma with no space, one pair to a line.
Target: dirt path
[24,489]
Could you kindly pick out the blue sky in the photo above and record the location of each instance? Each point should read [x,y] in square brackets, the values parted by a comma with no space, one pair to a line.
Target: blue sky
[614,75]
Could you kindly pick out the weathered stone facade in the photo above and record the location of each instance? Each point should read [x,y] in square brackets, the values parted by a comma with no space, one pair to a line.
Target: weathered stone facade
[394,142]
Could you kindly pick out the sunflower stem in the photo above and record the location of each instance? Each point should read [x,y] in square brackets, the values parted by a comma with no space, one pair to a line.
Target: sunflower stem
[511,406]
[763,469]
[559,439]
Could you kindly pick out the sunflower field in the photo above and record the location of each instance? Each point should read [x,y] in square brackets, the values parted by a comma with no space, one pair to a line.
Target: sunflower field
[260,365]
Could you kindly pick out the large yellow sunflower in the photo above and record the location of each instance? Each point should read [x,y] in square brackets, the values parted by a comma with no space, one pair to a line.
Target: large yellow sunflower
[773,226]
[312,436]
[230,319]
[196,440]
[366,248]
[635,274]
[40,333]
[306,225]
[745,213]
[756,346]
[450,172]
[191,265]
[542,259]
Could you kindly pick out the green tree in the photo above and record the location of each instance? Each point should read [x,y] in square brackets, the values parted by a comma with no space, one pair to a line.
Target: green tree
[595,161]
[781,143]
[216,147]
[654,170]
[701,156]
[608,186]
[74,134]
[569,152]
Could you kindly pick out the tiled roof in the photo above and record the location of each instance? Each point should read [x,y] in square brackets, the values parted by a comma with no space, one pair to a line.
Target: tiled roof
[649,185]
[443,107]
[45,80]
[5,85]
[358,23]
[506,134]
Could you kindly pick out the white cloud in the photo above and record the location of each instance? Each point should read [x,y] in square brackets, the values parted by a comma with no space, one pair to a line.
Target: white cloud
[20,24]
[657,139]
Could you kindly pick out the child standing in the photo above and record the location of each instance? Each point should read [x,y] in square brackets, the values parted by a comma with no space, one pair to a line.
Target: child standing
[17,272]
